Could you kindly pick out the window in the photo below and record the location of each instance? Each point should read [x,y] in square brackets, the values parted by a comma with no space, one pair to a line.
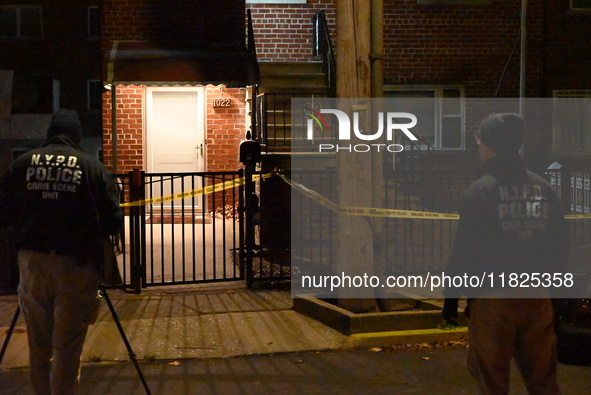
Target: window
[572,122]
[440,112]
[21,21]
[580,5]
[95,95]
[94,19]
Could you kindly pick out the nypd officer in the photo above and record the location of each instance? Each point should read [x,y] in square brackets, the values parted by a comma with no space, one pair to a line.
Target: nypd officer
[63,204]
[511,224]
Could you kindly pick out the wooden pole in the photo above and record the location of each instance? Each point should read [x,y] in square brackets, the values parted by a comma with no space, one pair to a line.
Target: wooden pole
[377,164]
[355,249]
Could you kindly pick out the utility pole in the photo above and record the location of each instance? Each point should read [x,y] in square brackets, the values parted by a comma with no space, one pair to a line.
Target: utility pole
[355,253]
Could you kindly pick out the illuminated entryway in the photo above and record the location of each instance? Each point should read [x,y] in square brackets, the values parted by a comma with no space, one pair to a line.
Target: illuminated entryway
[175,138]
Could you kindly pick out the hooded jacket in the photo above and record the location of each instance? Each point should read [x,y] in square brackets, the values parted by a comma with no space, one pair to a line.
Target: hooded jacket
[60,199]
[511,221]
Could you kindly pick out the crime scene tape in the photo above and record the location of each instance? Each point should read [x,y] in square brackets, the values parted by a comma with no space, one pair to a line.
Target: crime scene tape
[365,211]
[578,216]
[347,210]
[195,192]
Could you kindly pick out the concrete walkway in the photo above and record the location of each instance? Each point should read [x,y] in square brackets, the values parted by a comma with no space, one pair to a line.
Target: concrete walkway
[184,338]
[204,321]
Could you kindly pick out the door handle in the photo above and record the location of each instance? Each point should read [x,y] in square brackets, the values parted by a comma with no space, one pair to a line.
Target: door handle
[200,148]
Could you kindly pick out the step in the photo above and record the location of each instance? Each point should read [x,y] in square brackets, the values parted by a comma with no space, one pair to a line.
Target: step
[286,68]
[291,80]
[280,100]
[296,89]
[295,77]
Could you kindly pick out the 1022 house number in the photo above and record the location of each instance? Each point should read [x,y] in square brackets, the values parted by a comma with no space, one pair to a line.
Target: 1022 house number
[218,103]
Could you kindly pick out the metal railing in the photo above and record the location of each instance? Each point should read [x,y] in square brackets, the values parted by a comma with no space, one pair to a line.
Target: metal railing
[279,130]
[256,77]
[322,46]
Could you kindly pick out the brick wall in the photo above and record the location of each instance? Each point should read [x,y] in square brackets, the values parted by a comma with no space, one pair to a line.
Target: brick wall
[283,33]
[198,22]
[130,145]
[225,129]
[460,44]
[568,47]
[476,47]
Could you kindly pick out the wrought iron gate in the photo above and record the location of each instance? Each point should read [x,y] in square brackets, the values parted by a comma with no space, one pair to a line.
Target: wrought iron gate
[180,228]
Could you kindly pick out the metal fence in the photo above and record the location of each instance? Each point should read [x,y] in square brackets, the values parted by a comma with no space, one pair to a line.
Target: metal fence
[573,184]
[410,245]
[200,237]
[192,238]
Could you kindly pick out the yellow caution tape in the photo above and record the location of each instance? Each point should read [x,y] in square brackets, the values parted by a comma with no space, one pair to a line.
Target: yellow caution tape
[366,211]
[346,210]
[196,192]
[578,216]
[383,212]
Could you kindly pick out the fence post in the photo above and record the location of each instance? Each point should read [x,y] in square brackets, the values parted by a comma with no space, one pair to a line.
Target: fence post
[560,180]
[250,154]
[136,231]
[249,200]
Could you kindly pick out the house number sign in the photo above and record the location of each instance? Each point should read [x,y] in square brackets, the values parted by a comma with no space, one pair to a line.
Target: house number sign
[221,103]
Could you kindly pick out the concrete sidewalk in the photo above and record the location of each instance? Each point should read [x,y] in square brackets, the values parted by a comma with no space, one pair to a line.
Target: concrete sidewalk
[205,321]
[184,338]
[202,321]
[358,372]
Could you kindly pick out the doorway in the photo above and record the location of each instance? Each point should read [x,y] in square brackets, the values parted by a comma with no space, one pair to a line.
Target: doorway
[175,135]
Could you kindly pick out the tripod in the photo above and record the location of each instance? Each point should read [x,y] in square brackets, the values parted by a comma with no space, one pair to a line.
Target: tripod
[105,295]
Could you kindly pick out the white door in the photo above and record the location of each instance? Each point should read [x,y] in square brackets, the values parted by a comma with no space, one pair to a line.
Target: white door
[175,120]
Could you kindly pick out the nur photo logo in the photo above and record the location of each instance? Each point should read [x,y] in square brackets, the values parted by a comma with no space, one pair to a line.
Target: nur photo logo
[393,124]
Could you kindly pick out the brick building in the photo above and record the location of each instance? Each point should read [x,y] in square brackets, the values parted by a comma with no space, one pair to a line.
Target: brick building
[433,48]
[464,49]
[182,79]
[180,93]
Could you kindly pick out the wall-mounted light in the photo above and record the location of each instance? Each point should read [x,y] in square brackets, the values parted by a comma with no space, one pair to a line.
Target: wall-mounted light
[107,87]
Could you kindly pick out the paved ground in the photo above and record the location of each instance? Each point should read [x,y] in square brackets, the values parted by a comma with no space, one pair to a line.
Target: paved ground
[329,372]
[228,340]
[197,322]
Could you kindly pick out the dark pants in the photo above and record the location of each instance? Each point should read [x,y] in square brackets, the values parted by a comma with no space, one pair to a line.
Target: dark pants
[58,297]
[503,329]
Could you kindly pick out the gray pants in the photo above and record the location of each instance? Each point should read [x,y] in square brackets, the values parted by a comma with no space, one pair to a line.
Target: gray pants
[58,298]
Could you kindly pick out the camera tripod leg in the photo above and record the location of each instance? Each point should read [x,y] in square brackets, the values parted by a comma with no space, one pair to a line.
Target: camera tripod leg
[10,331]
[124,337]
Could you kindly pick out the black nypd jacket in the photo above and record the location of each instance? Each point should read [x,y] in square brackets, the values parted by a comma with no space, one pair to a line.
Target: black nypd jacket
[60,199]
[511,221]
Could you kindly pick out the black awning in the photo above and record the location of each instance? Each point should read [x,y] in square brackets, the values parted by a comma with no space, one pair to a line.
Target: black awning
[158,63]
